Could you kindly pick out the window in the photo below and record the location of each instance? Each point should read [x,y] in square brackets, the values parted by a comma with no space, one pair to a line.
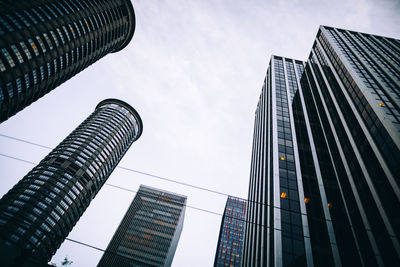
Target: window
[29,192]
[2,66]
[15,22]
[37,14]
[44,12]
[55,215]
[65,206]
[35,78]
[42,205]
[26,50]
[61,36]
[18,203]
[68,200]
[34,186]
[37,211]
[33,239]
[19,85]
[14,237]
[75,190]
[45,227]
[8,57]
[72,195]
[34,47]
[20,230]
[60,185]
[66,33]
[11,208]
[30,16]
[6,24]
[50,221]
[55,189]
[41,68]
[48,200]
[24,197]
[22,18]
[55,38]
[41,44]
[46,37]
[51,10]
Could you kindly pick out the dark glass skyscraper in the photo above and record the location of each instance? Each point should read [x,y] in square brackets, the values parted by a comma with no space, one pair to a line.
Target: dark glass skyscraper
[39,212]
[231,235]
[325,169]
[44,43]
[149,232]
[276,232]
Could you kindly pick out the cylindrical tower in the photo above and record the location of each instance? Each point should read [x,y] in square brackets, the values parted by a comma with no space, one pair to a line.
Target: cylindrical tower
[37,214]
[45,42]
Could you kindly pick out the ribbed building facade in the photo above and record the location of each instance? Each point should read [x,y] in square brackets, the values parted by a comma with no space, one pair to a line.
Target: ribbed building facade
[39,212]
[44,43]
[336,202]
[276,229]
[231,235]
[149,232]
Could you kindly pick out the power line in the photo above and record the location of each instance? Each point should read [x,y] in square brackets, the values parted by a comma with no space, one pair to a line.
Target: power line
[189,206]
[87,245]
[19,159]
[155,176]
[175,181]
[128,169]
[172,181]
[193,207]
[116,186]
[25,141]
[97,248]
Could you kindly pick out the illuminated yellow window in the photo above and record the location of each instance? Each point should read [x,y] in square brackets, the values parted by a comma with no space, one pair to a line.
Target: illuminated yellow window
[159,222]
[381,104]
[147,236]
[282,158]
[329,205]
[306,200]
[283,195]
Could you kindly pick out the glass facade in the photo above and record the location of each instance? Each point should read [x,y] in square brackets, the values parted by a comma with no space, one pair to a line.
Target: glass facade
[149,232]
[39,212]
[325,176]
[231,235]
[276,232]
[354,90]
[44,43]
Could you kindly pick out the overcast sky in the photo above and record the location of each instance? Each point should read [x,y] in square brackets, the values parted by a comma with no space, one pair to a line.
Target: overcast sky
[194,71]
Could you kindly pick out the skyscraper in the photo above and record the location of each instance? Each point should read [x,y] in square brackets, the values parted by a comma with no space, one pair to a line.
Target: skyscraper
[231,235]
[38,213]
[275,207]
[44,43]
[325,169]
[149,232]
